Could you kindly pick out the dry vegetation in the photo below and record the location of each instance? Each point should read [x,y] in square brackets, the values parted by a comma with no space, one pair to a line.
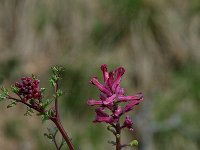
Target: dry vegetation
[157,41]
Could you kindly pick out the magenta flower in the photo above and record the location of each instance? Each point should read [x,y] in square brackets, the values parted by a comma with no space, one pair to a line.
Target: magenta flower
[28,89]
[128,123]
[102,116]
[111,96]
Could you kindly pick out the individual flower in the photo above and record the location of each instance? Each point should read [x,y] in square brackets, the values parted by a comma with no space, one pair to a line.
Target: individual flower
[28,88]
[128,123]
[111,95]
[102,116]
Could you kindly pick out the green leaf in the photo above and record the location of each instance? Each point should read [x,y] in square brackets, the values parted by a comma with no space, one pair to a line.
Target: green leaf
[42,90]
[44,118]
[46,103]
[47,115]
[48,136]
[29,111]
[53,83]
[5,91]
[34,76]
[51,133]
[57,69]
[50,113]
[32,101]
[57,72]
[2,97]
[14,89]
[13,103]
[39,114]
[55,77]
[134,143]
[112,142]
[112,129]
[59,93]
[63,143]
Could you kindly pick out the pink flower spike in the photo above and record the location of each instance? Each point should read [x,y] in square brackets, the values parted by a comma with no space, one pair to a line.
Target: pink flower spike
[100,86]
[105,73]
[111,96]
[93,102]
[109,100]
[138,97]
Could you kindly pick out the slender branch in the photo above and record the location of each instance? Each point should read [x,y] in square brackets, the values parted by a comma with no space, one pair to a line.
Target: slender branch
[20,101]
[56,101]
[57,122]
[54,140]
[55,119]
[125,145]
[60,146]
[63,133]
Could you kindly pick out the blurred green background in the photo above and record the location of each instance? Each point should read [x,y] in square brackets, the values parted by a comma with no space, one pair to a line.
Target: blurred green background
[157,41]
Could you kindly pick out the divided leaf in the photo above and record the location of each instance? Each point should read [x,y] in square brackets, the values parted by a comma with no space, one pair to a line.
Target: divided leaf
[5,91]
[29,112]
[2,97]
[14,89]
[13,103]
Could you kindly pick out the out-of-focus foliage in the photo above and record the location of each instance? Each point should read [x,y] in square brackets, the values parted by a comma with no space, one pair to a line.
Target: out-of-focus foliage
[157,41]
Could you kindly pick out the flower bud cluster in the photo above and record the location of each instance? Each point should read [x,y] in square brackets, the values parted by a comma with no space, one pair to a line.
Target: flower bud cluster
[28,88]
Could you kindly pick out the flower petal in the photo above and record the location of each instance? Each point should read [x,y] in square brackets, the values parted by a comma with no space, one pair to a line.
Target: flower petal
[131,105]
[118,73]
[138,97]
[100,112]
[118,112]
[119,91]
[93,102]
[110,79]
[105,73]
[128,122]
[102,96]
[100,86]
[109,100]
[103,119]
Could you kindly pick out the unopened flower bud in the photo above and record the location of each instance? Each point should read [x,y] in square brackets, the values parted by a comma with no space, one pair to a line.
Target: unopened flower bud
[134,143]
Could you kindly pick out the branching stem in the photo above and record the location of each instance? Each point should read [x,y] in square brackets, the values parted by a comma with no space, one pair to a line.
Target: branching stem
[56,120]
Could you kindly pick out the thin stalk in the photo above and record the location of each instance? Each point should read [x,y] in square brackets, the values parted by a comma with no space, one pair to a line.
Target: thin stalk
[57,122]
[118,136]
[63,133]
[54,140]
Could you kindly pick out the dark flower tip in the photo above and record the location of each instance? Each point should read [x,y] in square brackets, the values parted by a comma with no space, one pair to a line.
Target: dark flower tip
[104,67]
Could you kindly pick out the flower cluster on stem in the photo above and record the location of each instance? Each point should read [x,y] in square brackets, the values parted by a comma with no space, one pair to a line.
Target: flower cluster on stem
[30,94]
[112,95]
